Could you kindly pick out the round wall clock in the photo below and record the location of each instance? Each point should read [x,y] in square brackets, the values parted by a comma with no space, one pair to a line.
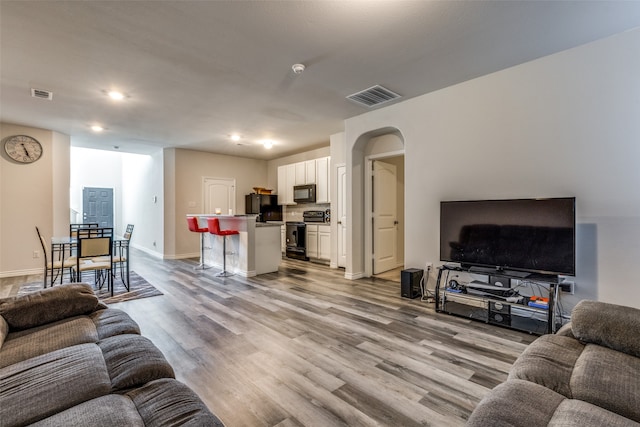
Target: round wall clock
[23,148]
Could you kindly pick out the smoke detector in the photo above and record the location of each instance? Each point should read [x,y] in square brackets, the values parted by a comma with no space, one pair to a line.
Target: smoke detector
[298,68]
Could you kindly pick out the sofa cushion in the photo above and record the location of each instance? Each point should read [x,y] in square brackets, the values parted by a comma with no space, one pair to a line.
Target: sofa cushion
[609,379]
[4,330]
[112,321]
[44,339]
[167,402]
[133,360]
[109,410]
[609,325]
[576,413]
[44,385]
[48,305]
[518,403]
[549,361]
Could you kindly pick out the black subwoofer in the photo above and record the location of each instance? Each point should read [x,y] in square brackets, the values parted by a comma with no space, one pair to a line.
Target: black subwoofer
[410,282]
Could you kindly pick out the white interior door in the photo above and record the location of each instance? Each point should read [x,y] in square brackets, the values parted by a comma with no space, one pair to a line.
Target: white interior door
[342,216]
[385,217]
[219,194]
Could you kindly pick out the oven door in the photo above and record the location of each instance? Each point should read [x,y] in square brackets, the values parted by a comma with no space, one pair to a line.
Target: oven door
[296,235]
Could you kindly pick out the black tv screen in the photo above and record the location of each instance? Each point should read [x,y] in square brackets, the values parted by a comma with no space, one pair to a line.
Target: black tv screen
[531,235]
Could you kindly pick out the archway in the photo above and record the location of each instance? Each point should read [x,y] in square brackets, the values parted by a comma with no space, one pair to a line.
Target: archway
[368,147]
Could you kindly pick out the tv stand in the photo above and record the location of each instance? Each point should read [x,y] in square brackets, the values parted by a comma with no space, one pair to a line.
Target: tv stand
[489,295]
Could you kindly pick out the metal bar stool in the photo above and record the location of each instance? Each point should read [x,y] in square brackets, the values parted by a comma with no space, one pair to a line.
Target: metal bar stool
[195,227]
[214,228]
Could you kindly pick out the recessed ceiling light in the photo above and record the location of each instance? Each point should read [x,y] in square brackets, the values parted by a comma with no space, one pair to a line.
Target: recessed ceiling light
[298,68]
[97,128]
[267,143]
[115,95]
[235,137]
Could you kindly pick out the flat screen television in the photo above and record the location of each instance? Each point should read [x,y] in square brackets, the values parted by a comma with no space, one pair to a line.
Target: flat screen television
[521,235]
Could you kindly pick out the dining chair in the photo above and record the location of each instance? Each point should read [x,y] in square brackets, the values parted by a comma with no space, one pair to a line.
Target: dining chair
[91,246]
[121,256]
[73,228]
[55,266]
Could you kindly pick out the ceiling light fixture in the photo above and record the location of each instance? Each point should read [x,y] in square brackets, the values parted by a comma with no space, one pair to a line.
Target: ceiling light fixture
[235,137]
[97,128]
[298,68]
[115,95]
[267,144]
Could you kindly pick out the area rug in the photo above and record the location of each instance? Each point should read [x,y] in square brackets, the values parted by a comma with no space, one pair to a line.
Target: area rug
[140,288]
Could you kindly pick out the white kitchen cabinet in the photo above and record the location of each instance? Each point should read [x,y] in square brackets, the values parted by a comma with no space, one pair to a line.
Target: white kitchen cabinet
[310,171]
[282,185]
[300,173]
[312,241]
[322,180]
[319,242]
[324,242]
[286,179]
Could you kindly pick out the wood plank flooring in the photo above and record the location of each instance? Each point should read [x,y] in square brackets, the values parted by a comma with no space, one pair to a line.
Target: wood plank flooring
[305,347]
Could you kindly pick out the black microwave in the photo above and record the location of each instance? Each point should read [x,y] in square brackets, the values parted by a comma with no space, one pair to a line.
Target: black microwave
[304,193]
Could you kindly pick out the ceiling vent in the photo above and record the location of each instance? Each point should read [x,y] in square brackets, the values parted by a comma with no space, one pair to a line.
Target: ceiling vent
[373,96]
[42,94]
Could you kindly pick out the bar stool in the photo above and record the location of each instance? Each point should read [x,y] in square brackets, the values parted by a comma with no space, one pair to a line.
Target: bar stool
[195,227]
[214,228]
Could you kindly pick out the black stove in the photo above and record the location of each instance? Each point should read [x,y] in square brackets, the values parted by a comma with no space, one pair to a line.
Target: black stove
[296,240]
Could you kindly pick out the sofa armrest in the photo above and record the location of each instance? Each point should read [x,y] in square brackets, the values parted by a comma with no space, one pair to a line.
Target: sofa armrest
[609,325]
[48,305]
[565,330]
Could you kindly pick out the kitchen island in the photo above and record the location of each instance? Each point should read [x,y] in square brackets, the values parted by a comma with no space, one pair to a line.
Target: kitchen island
[255,250]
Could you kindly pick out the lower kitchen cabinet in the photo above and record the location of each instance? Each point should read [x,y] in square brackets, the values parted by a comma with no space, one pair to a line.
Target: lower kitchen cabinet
[319,242]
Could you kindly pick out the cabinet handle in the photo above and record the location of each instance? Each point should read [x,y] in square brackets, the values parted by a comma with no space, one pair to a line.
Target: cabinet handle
[339,222]
[395,222]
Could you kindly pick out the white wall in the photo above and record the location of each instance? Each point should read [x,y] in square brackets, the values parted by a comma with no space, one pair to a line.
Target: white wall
[143,200]
[563,125]
[31,195]
[96,168]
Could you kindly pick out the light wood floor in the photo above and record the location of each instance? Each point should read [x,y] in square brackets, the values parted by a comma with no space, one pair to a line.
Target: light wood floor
[305,347]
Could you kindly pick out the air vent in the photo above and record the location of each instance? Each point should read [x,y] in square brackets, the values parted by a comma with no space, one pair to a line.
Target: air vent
[42,94]
[373,96]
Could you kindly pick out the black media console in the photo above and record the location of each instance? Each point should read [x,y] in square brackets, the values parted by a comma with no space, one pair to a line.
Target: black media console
[510,299]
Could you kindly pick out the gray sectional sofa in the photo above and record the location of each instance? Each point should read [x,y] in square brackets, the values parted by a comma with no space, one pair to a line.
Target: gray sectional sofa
[588,374]
[68,360]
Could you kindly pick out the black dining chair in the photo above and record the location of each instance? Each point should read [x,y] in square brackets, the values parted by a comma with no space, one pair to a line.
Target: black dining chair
[94,244]
[51,264]
[121,256]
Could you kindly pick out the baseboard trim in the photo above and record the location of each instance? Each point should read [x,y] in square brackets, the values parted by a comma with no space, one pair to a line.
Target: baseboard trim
[15,273]
[353,276]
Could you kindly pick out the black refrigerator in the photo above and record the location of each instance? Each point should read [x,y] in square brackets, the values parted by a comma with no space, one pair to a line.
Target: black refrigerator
[264,205]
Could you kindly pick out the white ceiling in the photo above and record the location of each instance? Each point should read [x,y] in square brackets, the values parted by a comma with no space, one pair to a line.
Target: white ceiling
[197,71]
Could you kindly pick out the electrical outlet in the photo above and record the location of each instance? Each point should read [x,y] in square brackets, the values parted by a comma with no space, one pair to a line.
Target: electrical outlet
[36,254]
[568,287]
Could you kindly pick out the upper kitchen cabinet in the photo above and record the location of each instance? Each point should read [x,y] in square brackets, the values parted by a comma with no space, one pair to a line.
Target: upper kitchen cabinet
[309,172]
[286,181]
[322,180]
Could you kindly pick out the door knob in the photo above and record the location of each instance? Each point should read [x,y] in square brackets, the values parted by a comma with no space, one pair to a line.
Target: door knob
[395,223]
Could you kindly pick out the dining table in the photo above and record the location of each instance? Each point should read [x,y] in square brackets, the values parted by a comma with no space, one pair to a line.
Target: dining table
[63,247]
